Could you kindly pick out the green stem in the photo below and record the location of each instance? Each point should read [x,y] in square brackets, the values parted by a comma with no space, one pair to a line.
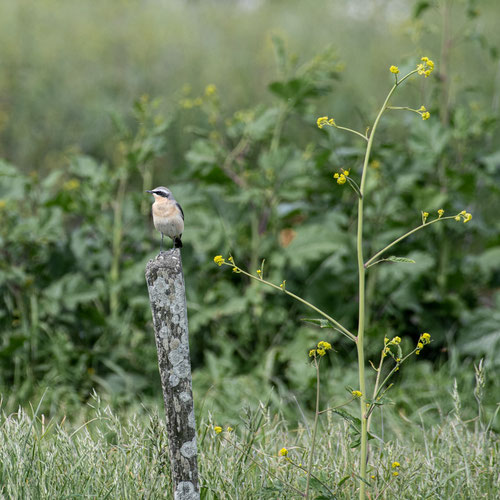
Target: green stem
[401,238]
[361,313]
[339,327]
[352,131]
[375,389]
[315,428]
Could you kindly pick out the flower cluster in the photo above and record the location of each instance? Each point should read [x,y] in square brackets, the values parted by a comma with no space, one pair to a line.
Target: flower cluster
[426,67]
[283,452]
[357,394]
[219,260]
[424,339]
[324,120]
[463,215]
[423,113]
[395,465]
[394,69]
[217,429]
[321,349]
[342,177]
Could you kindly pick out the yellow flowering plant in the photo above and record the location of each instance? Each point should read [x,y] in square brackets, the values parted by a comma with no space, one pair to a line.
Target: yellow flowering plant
[392,347]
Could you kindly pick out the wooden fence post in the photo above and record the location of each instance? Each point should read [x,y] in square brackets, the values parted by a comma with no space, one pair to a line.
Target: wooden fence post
[167,295]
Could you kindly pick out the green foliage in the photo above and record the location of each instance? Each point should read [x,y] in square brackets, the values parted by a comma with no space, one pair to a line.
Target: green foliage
[254,179]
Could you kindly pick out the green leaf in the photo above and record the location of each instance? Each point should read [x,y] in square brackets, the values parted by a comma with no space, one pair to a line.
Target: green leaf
[393,258]
[420,8]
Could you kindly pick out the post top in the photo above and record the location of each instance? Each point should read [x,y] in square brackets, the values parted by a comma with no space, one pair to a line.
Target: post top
[169,260]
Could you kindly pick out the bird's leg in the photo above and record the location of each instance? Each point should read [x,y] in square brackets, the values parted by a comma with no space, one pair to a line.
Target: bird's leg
[161,244]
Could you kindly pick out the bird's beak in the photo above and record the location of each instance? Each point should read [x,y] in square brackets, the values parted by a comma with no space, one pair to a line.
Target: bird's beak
[149,191]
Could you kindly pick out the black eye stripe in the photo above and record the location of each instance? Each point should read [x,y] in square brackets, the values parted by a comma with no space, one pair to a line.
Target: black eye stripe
[161,193]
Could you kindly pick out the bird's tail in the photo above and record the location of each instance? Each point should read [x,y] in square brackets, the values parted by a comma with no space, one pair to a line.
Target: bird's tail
[177,242]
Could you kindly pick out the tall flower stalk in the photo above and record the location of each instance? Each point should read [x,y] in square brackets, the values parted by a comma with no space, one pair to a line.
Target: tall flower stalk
[381,385]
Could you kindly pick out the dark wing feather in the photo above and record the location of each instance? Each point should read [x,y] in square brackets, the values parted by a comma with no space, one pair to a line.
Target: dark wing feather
[180,208]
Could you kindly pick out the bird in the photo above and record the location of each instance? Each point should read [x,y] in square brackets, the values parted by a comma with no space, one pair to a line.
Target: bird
[168,216]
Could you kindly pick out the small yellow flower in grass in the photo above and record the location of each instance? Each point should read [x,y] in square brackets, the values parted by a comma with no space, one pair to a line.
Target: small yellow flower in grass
[395,464]
[283,285]
[396,341]
[467,217]
[394,69]
[321,352]
[357,394]
[283,452]
[229,429]
[424,216]
[324,345]
[218,429]
[230,259]
[372,476]
[425,338]
[219,260]
[426,115]
[312,353]
[440,212]
[236,270]
[259,272]
[395,473]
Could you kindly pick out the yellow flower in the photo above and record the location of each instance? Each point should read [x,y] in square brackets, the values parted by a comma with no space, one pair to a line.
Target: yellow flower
[426,115]
[229,429]
[395,464]
[312,353]
[283,284]
[467,217]
[322,121]
[259,272]
[321,352]
[210,90]
[283,452]
[219,260]
[236,270]
[396,340]
[357,394]
[422,108]
[426,67]
[341,179]
[395,473]
[426,338]
[230,259]
[217,429]
[457,218]
[324,345]
[71,185]
[394,69]
[440,212]
[424,216]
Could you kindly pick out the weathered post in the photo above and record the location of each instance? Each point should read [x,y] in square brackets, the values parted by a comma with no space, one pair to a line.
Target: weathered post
[167,295]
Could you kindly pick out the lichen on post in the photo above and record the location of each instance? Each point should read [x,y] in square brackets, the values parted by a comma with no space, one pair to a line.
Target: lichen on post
[167,296]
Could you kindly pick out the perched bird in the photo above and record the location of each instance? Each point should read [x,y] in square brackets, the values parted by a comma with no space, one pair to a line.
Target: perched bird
[168,217]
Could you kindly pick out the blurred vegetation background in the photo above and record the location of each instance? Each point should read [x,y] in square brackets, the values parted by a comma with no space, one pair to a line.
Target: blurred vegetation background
[218,100]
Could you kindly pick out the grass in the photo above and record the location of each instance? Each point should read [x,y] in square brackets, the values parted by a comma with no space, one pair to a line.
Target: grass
[112,457]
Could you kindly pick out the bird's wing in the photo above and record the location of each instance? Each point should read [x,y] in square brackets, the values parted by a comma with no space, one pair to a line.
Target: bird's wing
[180,208]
